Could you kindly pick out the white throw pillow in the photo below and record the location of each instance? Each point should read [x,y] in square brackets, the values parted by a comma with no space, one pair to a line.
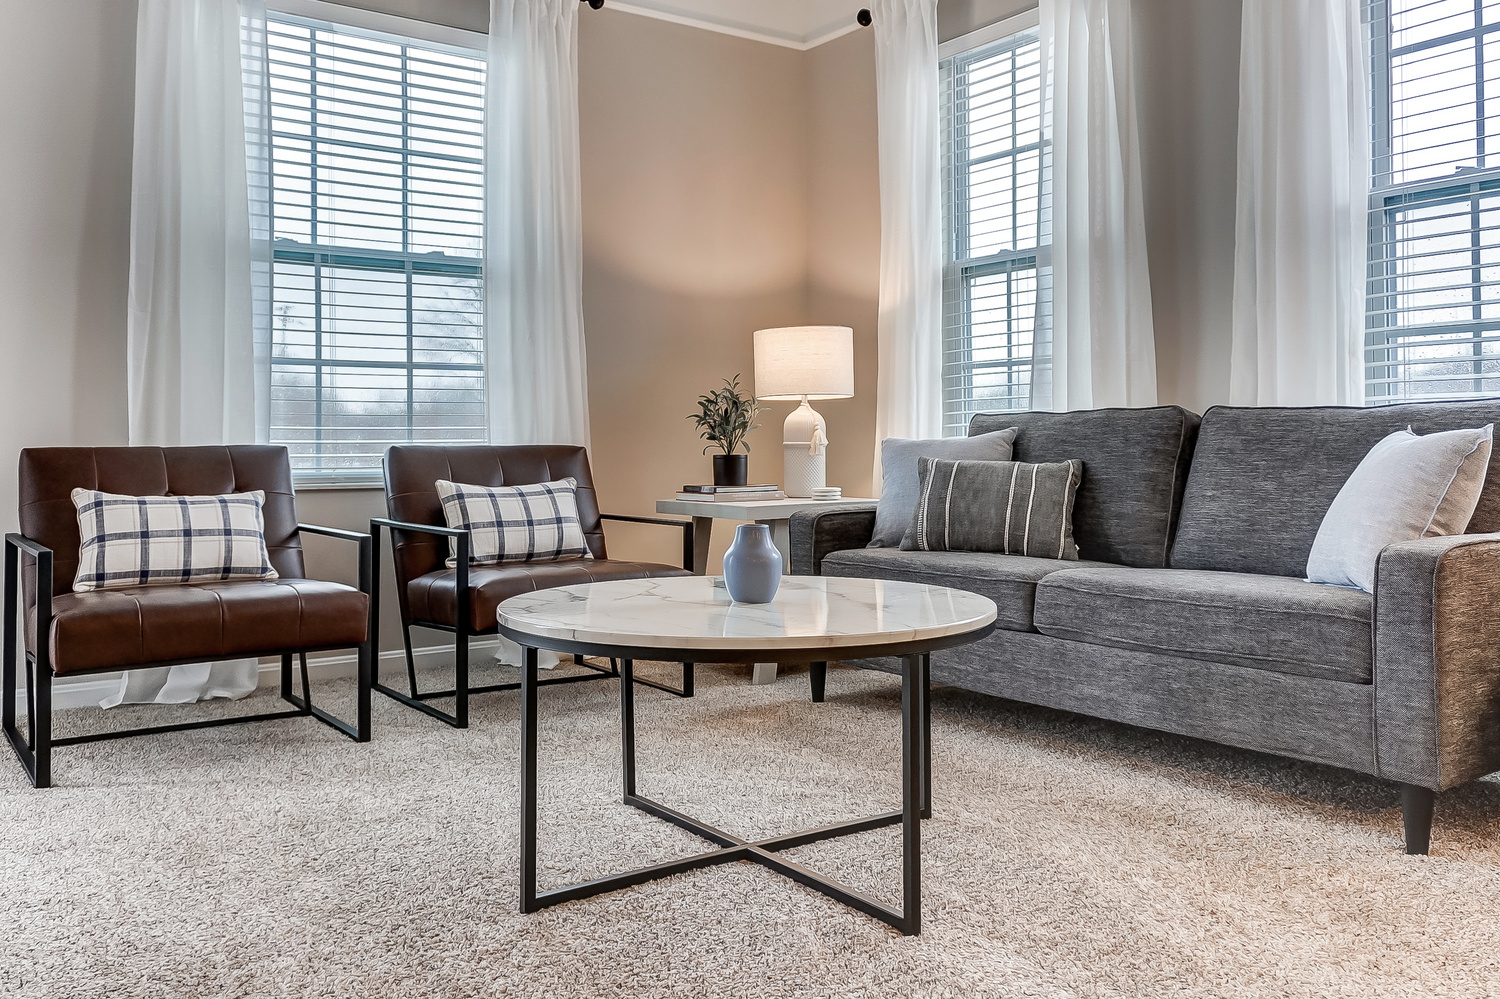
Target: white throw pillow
[145,540]
[531,523]
[1407,487]
[901,484]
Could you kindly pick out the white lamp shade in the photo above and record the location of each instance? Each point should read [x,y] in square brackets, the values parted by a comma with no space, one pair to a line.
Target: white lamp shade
[812,361]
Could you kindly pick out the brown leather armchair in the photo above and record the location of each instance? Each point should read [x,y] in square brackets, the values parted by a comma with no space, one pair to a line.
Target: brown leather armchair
[74,634]
[463,600]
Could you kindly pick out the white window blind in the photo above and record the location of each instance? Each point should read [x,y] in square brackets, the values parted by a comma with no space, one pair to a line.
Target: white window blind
[377,220]
[993,226]
[1433,312]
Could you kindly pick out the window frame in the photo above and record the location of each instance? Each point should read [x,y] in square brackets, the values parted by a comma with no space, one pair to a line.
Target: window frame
[960,270]
[382,27]
[1388,200]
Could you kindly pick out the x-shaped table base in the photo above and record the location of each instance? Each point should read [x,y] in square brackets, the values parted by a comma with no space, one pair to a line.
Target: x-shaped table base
[916,788]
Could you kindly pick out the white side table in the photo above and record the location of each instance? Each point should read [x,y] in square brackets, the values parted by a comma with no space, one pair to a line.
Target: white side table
[775,514]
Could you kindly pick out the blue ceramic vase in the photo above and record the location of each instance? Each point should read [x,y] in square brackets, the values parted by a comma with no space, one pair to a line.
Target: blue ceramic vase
[752,566]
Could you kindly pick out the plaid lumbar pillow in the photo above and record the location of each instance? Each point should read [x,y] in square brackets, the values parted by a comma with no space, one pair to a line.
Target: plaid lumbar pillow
[142,540]
[533,523]
[1007,507]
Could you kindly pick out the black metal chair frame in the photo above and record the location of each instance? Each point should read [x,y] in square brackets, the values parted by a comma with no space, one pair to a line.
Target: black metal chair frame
[34,749]
[462,632]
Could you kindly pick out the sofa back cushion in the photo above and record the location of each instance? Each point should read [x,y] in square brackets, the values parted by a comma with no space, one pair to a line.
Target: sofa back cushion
[1262,478]
[1135,462]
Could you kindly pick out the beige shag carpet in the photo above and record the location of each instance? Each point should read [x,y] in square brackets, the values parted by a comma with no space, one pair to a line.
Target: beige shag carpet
[1066,857]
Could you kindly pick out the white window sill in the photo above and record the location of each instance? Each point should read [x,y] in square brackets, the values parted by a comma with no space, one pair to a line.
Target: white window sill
[327,483]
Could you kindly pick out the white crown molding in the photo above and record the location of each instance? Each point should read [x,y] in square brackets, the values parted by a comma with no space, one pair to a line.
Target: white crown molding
[793,24]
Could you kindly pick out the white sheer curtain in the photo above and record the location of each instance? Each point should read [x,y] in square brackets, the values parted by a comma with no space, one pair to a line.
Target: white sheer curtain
[909,383]
[536,374]
[1301,204]
[1099,348]
[195,275]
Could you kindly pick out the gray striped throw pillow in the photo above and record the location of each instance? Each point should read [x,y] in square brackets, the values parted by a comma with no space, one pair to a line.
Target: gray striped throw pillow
[1007,507]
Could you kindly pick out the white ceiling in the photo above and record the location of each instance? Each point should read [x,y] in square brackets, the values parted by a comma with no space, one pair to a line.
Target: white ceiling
[798,24]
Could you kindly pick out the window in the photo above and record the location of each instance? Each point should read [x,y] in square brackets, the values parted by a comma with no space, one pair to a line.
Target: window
[377,224]
[993,230]
[1433,313]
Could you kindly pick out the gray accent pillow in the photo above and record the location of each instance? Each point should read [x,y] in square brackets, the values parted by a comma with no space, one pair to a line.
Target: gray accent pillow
[1407,487]
[1007,507]
[898,465]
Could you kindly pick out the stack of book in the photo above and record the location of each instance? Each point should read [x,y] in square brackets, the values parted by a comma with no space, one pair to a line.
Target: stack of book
[731,494]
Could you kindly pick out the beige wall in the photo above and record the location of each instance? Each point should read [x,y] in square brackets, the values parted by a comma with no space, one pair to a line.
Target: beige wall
[959,17]
[843,237]
[471,15]
[1188,86]
[66,78]
[694,223]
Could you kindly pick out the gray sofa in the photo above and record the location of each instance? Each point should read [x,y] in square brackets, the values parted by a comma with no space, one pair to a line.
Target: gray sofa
[1188,611]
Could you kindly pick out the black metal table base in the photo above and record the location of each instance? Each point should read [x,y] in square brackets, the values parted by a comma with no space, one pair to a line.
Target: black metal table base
[460,716]
[916,798]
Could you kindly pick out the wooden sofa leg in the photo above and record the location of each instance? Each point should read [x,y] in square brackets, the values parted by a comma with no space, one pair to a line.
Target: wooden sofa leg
[1416,812]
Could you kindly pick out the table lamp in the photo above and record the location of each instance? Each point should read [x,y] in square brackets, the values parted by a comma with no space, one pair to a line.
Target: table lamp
[804,362]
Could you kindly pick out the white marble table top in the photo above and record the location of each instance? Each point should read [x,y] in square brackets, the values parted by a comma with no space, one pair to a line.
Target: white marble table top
[695,612]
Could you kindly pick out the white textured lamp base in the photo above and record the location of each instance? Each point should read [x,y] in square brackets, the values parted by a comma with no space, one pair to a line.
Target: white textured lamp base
[802,472]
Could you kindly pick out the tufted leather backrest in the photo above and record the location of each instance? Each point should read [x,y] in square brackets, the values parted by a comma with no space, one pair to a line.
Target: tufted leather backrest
[412,470]
[48,476]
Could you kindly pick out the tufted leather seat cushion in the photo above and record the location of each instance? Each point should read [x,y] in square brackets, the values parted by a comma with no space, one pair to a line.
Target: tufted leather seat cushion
[138,625]
[434,596]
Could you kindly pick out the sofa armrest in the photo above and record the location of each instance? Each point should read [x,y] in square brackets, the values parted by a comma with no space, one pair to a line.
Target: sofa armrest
[1437,660]
[817,533]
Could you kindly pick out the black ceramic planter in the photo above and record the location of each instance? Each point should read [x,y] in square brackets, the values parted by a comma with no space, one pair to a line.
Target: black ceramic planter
[731,469]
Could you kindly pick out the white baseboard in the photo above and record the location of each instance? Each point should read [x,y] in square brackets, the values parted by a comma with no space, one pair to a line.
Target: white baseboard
[87,692]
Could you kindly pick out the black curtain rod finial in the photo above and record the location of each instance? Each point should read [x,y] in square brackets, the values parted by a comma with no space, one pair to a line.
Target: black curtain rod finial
[863,17]
[596,4]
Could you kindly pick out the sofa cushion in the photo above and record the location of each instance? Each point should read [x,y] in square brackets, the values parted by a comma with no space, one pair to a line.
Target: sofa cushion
[1263,622]
[1009,580]
[1263,478]
[1135,462]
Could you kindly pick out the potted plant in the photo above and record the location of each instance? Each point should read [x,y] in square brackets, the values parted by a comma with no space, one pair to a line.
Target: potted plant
[723,419]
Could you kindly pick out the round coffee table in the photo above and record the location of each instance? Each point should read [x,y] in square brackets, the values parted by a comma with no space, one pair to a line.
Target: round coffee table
[691,618]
